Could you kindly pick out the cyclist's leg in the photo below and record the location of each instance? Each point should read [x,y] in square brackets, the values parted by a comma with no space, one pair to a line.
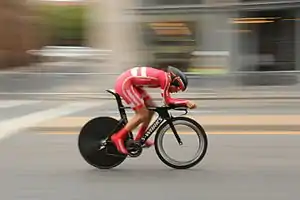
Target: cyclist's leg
[132,97]
[148,102]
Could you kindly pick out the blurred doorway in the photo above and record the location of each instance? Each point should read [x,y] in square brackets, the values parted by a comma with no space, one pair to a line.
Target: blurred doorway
[170,42]
[272,39]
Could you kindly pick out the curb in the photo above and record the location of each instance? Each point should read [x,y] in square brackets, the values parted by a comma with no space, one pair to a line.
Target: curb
[106,96]
[213,98]
[208,97]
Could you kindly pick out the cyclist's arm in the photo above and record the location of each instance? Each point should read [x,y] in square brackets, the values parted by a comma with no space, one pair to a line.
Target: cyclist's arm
[165,84]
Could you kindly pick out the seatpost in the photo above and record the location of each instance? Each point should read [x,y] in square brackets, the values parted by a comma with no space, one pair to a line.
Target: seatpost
[121,109]
[120,105]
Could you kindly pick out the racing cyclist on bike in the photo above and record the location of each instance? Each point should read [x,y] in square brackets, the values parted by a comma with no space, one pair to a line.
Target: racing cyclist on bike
[129,86]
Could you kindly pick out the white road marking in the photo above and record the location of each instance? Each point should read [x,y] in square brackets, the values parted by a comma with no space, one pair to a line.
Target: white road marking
[88,93]
[9,127]
[129,111]
[54,73]
[52,93]
[14,103]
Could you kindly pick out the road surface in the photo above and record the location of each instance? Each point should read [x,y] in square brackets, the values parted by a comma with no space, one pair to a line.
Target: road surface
[254,146]
[253,157]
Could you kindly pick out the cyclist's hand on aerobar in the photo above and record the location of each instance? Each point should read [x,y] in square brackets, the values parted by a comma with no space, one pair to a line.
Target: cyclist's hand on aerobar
[191,105]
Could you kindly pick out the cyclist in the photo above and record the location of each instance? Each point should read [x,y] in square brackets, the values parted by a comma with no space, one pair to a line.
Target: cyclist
[129,86]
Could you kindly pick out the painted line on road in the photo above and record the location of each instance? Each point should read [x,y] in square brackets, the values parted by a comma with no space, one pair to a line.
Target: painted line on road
[209,120]
[52,93]
[9,127]
[55,73]
[14,103]
[84,93]
[229,120]
[23,70]
[193,133]
[156,94]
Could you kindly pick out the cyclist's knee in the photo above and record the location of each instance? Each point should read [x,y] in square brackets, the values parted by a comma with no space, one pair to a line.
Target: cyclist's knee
[151,113]
[150,103]
[143,114]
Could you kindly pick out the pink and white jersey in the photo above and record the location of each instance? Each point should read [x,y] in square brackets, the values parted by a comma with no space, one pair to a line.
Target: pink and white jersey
[130,83]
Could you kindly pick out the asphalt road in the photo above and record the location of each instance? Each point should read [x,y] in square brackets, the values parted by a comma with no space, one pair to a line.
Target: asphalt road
[254,148]
[40,160]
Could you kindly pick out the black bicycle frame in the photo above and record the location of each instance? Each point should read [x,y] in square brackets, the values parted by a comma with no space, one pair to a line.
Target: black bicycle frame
[163,115]
[122,113]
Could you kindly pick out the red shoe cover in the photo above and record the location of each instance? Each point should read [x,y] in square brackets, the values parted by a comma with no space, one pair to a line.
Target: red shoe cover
[118,140]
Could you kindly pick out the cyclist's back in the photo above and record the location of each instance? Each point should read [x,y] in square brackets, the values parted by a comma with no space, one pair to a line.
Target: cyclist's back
[143,77]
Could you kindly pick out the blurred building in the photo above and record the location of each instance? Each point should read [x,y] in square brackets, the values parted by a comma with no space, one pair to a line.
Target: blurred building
[18,33]
[221,36]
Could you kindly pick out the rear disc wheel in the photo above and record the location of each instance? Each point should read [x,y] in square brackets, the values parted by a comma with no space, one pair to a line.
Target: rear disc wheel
[90,137]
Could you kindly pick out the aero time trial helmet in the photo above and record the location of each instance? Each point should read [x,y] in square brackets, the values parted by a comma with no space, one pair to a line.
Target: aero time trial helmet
[179,79]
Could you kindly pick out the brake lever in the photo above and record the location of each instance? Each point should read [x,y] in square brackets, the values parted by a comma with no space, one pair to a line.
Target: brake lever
[183,109]
[185,112]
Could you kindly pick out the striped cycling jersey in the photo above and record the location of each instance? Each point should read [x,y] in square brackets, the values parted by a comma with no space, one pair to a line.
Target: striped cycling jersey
[152,78]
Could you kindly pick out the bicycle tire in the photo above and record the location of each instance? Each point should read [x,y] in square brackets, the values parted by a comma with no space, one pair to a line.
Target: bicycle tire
[88,143]
[182,121]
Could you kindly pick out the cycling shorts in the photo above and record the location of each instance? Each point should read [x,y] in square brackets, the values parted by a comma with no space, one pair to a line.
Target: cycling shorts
[134,96]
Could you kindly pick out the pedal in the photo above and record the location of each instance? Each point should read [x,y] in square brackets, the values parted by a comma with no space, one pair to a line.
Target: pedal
[112,150]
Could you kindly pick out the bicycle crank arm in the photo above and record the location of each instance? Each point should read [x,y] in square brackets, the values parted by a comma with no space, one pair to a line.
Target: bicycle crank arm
[175,132]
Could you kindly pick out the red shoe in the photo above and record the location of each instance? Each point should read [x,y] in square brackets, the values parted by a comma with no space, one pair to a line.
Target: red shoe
[118,140]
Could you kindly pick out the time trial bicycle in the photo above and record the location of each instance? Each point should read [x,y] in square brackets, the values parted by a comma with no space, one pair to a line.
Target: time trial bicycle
[98,150]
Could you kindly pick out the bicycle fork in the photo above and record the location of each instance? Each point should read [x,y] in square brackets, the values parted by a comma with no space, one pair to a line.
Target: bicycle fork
[169,121]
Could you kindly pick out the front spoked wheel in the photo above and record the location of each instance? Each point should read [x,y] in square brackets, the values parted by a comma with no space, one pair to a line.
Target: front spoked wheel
[190,132]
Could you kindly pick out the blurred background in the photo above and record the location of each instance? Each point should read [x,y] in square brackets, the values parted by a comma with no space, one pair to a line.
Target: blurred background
[57,58]
[218,43]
